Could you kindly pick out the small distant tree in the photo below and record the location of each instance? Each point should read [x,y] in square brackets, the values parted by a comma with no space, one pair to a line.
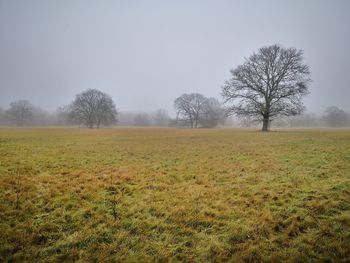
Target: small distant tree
[305,120]
[126,118]
[189,108]
[2,116]
[230,121]
[20,111]
[41,117]
[212,114]
[63,115]
[93,108]
[161,118]
[196,110]
[246,121]
[335,117]
[142,120]
[280,122]
[270,83]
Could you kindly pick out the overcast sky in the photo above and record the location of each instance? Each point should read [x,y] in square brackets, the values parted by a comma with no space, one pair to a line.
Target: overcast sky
[146,53]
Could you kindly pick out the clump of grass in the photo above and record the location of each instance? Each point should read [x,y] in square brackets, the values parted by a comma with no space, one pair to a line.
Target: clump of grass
[17,189]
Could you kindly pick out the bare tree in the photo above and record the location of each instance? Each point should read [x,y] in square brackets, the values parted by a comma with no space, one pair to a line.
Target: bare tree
[2,116]
[126,118]
[335,117]
[305,120]
[142,120]
[21,111]
[106,112]
[213,113]
[246,121]
[93,108]
[270,83]
[63,115]
[161,118]
[41,117]
[189,107]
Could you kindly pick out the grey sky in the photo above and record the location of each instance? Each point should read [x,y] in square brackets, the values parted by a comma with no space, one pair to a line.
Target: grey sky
[146,53]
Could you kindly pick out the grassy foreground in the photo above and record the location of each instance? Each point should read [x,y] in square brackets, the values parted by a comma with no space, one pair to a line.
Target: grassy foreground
[168,195]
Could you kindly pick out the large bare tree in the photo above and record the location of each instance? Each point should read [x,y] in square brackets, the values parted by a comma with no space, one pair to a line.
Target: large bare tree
[93,108]
[21,111]
[189,108]
[270,83]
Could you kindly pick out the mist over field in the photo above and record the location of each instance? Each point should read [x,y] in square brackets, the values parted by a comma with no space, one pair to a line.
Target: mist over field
[146,54]
[174,131]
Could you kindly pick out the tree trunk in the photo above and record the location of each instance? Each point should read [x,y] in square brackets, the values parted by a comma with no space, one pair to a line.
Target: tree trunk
[191,121]
[196,122]
[265,126]
[20,121]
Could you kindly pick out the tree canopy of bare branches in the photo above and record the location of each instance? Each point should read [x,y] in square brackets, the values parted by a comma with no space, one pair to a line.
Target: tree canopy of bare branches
[335,117]
[20,111]
[198,110]
[212,113]
[270,83]
[161,118]
[142,120]
[2,115]
[189,108]
[93,108]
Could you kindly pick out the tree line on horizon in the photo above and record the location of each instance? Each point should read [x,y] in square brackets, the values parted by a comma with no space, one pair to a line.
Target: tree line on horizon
[267,88]
[22,113]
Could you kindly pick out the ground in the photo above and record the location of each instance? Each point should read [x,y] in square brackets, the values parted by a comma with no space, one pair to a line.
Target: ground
[174,195]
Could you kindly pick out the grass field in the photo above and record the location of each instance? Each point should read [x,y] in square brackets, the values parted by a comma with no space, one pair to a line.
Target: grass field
[167,195]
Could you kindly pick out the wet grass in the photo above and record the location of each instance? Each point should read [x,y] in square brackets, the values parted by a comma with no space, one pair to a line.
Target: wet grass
[132,195]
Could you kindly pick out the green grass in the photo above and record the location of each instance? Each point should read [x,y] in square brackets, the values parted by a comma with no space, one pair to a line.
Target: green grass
[132,195]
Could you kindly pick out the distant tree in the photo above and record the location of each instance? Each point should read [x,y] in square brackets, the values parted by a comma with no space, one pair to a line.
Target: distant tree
[304,120]
[63,115]
[212,114]
[126,118]
[41,117]
[20,111]
[230,121]
[189,108]
[335,117]
[161,118]
[280,122]
[270,83]
[175,123]
[142,120]
[93,108]
[2,116]
[246,121]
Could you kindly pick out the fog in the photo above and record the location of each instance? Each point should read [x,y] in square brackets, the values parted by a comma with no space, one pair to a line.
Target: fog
[147,53]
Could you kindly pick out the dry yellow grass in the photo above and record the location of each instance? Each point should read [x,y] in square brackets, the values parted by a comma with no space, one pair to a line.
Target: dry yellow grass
[165,195]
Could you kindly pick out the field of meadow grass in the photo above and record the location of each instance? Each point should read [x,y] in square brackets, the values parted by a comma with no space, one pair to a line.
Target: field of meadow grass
[174,195]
